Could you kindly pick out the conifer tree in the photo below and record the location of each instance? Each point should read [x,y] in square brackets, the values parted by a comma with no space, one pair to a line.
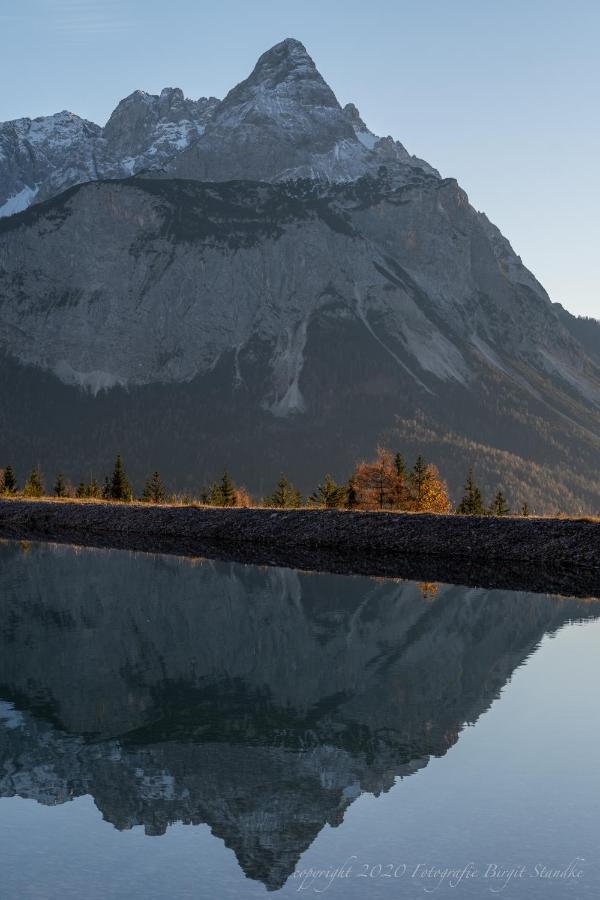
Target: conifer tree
[34,486]
[106,490]
[10,480]
[499,506]
[227,490]
[81,490]
[154,491]
[329,494]
[417,481]
[525,510]
[93,489]
[285,494]
[433,495]
[60,486]
[120,489]
[472,501]
[352,493]
[400,466]
[222,492]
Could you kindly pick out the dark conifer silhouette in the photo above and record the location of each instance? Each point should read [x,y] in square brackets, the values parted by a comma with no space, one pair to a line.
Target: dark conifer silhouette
[227,490]
[418,481]
[120,489]
[60,486]
[10,480]
[34,486]
[329,494]
[154,491]
[400,465]
[352,498]
[499,506]
[285,494]
[472,501]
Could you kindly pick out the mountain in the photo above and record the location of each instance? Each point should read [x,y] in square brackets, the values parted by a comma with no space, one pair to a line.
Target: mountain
[41,157]
[278,288]
[260,701]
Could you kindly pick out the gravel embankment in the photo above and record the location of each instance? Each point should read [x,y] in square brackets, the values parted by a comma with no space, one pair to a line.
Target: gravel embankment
[547,553]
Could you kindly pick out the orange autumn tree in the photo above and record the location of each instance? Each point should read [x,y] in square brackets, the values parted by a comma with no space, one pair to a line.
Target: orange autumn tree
[428,492]
[378,484]
[385,484]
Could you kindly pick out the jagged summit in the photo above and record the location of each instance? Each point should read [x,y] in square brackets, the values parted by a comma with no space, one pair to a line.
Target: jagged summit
[285,72]
[282,122]
[288,61]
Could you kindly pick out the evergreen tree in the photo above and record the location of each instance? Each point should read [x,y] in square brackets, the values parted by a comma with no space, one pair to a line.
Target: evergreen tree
[400,466]
[154,491]
[472,501]
[227,490]
[60,486]
[81,490]
[417,482]
[285,495]
[106,490]
[352,499]
[10,481]
[93,489]
[34,486]
[329,494]
[222,492]
[120,489]
[499,506]
[525,510]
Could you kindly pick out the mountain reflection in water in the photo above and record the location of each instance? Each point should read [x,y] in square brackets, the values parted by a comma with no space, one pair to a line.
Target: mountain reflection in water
[260,701]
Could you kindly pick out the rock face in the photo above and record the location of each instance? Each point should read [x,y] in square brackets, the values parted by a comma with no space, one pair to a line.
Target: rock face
[280,289]
[284,122]
[260,701]
[41,157]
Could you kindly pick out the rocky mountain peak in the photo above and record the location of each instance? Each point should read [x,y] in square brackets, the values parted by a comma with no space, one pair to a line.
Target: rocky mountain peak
[288,72]
[287,60]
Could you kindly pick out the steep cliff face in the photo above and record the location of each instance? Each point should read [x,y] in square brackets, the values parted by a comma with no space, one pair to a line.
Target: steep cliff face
[280,288]
[282,309]
[262,702]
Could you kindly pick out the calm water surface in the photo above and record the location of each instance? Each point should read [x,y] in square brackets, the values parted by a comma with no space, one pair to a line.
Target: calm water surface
[175,728]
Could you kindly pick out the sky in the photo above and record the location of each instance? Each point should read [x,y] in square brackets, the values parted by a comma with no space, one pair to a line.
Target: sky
[503,95]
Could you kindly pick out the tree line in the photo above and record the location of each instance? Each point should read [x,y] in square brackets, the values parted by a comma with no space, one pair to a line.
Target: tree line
[383,483]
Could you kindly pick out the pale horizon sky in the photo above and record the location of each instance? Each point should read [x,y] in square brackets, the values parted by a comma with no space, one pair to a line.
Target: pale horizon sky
[504,96]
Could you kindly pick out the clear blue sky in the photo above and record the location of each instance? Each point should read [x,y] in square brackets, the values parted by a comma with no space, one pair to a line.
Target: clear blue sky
[501,94]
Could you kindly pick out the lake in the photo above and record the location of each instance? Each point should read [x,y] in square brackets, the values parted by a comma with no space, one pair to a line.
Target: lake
[184,728]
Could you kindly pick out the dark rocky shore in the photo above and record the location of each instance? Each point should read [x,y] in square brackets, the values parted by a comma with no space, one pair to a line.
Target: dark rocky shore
[534,554]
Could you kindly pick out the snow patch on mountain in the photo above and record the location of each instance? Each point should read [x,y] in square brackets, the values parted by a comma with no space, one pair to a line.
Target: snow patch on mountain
[20,201]
[93,381]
